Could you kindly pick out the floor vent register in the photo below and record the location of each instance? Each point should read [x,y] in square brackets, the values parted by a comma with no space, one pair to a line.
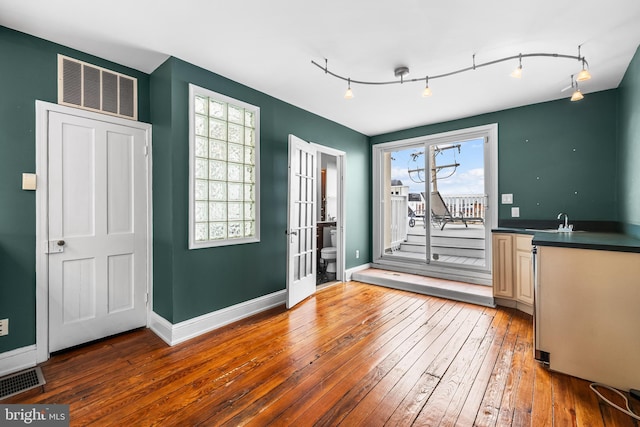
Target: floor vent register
[21,381]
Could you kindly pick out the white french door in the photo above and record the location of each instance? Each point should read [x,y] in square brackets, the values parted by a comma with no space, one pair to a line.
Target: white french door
[301,222]
[97,229]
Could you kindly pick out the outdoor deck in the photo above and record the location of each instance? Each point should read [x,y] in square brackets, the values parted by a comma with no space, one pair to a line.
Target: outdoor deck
[455,244]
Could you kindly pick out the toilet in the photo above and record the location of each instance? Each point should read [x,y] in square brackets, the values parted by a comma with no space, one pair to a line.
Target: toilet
[328,254]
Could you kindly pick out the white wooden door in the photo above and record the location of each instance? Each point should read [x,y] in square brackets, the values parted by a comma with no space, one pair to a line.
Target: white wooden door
[301,224]
[97,229]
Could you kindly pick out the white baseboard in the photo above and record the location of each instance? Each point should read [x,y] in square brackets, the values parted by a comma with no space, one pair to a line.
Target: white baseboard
[17,360]
[349,273]
[183,331]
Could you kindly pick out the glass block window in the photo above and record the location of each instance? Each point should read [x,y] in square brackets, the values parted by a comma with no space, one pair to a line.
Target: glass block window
[224,154]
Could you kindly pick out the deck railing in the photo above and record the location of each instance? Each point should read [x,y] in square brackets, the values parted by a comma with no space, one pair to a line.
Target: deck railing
[399,213]
[467,205]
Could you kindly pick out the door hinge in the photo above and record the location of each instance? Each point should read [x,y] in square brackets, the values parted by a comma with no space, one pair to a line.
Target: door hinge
[146,298]
[146,150]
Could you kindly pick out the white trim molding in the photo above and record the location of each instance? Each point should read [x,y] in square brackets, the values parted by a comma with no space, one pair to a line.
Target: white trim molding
[348,276]
[17,360]
[341,166]
[183,331]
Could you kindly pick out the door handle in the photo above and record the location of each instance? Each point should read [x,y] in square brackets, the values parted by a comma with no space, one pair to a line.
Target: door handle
[55,246]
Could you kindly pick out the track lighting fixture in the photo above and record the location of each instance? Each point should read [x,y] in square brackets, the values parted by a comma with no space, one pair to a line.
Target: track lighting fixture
[583,75]
[517,73]
[426,92]
[401,72]
[349,93]
[576,95]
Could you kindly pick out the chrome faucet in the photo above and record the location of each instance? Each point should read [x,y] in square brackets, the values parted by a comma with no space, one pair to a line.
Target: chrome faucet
[565,226]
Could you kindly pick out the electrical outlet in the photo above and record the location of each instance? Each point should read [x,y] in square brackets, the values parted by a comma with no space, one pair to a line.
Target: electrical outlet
[4,327]
[515,212]
[357,253]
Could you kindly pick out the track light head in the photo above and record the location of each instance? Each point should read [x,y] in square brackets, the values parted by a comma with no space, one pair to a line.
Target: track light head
[349,93]
[517,73]
[577,95]
[583,75]
[426,92]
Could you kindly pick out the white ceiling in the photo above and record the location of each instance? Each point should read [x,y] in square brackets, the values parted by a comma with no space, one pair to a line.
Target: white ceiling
[269,45]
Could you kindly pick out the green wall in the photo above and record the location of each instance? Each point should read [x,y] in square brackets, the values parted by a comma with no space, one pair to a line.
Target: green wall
[28,72]
[188,283]
[629,158]
[547,152]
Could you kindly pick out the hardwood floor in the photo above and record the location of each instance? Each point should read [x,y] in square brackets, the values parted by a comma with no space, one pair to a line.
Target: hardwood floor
[352,355]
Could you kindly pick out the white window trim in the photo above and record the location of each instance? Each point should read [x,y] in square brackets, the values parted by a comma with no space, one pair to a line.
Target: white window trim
[457,272]
[193,244]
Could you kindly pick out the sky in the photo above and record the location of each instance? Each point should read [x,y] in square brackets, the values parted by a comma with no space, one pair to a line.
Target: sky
[468,178]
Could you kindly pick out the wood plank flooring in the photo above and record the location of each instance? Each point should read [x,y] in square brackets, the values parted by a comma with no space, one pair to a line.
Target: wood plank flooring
[352,355]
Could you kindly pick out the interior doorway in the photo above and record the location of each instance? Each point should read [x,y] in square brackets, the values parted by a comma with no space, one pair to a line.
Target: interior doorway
[315,224]
[328,216]
[93,206]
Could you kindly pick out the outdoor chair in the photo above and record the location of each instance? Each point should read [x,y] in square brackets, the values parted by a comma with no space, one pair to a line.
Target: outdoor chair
[440,214]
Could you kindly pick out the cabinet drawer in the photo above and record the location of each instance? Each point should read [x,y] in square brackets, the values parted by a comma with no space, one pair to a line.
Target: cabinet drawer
[523,242]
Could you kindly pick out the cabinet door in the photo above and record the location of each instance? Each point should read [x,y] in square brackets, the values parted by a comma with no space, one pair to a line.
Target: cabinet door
[524,277]
[524,270]
[503,265]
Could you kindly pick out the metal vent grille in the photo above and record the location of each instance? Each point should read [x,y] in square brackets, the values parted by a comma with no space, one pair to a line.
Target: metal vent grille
[21,381]
[97,89]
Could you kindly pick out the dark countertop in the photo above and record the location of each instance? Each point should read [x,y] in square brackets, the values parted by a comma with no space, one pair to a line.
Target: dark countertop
[588,240]
[513,230]
[617,242]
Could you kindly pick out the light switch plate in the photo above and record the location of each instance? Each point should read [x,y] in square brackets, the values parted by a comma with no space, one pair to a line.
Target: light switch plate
[28,181]
[515,212]
[507,199]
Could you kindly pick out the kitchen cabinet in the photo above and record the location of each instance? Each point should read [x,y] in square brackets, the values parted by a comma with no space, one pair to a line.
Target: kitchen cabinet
[513,271]
[524,269]
[503,265]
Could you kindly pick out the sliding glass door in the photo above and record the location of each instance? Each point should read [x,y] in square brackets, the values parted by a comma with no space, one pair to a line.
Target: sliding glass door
[433,200]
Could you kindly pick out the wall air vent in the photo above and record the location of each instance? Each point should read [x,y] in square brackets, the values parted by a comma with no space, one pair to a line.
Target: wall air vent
[94,88]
